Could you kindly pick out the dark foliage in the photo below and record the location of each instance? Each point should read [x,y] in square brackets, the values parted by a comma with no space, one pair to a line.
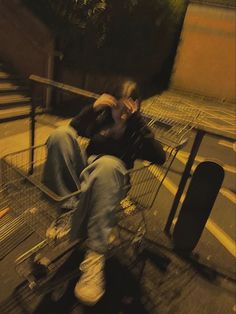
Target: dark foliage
[127,37]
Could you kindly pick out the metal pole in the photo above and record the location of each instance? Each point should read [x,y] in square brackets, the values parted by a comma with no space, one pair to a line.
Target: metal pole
[32,130]
[196,144]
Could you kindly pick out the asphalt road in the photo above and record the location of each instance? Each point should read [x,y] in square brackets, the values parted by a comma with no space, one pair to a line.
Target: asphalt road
[219,234]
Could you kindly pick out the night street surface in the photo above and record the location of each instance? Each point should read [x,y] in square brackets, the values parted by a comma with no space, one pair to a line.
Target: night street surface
[184,287]
[222,239]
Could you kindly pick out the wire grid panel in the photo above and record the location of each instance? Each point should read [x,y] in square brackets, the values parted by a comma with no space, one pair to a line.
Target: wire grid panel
[28,198]
[13,229]
[4,201]
[171,120]
[146,181]
[24,198]
[145,184]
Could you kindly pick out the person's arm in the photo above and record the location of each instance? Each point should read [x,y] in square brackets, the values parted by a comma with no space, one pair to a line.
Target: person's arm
[85,121]
[91,118]
[153,151]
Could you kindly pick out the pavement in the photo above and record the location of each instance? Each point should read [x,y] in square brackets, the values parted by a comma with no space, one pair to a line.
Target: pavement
[161,281]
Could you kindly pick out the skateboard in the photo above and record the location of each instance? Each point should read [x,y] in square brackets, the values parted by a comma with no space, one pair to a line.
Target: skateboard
[196,208]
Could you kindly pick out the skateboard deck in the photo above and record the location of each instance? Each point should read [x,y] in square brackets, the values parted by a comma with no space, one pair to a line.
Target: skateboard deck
[196,208]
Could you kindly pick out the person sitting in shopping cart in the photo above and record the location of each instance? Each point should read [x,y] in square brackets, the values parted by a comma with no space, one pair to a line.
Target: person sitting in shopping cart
[118,136]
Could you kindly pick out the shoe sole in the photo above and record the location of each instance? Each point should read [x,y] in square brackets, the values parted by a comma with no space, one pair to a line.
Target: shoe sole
[88,302]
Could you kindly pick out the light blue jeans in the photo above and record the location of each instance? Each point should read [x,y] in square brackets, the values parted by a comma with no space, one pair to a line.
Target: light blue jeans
[102,180]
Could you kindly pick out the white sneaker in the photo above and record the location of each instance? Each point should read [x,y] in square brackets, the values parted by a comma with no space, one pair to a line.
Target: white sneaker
[91,286]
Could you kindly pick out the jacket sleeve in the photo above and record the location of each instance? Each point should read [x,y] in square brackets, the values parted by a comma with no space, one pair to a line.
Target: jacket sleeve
[85,121]
[153,151]
[149,148]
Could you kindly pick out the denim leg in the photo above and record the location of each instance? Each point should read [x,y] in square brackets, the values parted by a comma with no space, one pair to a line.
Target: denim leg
[102,188]
[64,164]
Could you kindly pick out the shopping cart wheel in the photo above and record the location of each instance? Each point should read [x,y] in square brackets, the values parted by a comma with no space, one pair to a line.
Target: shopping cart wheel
[40,266]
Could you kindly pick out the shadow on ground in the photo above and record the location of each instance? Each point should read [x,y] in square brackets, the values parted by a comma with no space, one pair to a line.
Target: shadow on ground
[122,293]
[169,281]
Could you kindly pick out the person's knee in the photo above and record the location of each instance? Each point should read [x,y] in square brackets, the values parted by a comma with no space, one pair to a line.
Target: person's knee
[110,164]
[58,137]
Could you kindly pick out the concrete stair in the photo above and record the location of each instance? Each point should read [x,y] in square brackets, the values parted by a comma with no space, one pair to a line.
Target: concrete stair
[14,95]
[7,86]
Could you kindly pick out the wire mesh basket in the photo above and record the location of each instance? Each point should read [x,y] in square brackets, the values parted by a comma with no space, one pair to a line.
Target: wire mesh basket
[31,202]
[171,120]
[26,195]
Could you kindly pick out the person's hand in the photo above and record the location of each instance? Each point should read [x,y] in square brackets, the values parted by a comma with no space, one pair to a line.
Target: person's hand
[105,100]
[124,109]
[130,106]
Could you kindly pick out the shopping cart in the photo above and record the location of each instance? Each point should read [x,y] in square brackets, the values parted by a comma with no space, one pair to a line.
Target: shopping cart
[31,202]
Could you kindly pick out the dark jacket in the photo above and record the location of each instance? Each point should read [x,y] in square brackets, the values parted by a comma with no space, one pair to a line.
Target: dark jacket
[137,142]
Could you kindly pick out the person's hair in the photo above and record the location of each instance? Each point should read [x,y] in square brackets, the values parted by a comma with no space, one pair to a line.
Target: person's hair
[121,89]
[125,88]
[129,88]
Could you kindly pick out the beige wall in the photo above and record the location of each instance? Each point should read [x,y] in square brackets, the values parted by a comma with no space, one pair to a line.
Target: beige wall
[206,57]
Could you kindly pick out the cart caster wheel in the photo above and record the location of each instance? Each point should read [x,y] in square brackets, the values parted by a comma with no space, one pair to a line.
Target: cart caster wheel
[42,260]
[40,266]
